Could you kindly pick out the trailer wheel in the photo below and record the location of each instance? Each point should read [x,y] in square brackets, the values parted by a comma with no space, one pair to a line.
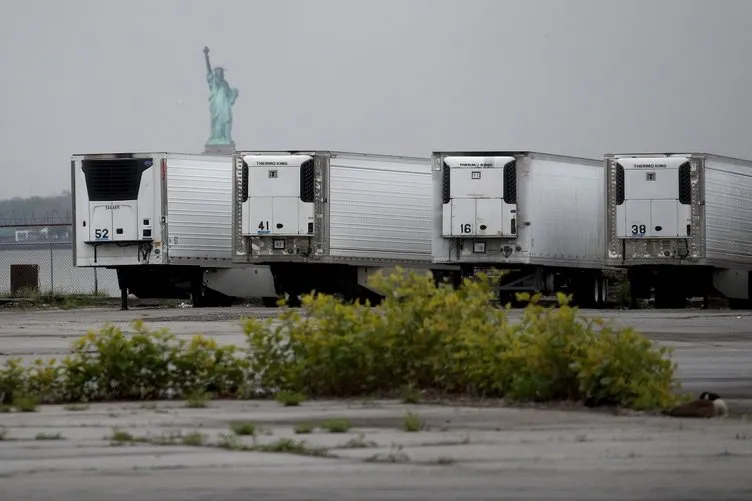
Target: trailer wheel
[590,290]
[601,291]
[604,292]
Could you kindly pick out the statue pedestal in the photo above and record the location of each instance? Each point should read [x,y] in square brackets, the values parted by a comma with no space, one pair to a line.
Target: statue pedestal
[219,149]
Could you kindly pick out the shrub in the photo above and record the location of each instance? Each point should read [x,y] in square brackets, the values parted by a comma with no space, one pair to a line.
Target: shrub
[336,425]
[412,422]
[421,337]
[196,399]
[289,399]
[303,428]
[13,380]
[150,364]
[110,365]
[433,337]
[409,395]
[243,428]
[25,403]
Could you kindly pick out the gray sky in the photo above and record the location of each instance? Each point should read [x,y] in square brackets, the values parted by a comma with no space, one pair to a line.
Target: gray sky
[579,77]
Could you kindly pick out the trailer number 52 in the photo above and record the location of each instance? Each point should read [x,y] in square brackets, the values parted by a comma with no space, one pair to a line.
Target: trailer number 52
[102,234]
[638,229]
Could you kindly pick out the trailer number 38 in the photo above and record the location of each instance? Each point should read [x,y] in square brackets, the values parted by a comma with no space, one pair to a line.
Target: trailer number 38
[638,229]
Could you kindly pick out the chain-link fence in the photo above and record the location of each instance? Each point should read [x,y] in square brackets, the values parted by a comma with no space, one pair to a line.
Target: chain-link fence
[38,259]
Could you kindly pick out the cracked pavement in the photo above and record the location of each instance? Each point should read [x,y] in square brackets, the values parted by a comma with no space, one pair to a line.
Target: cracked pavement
[465,452]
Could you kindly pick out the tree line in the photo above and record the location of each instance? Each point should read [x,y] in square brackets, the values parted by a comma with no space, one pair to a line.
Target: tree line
[56,209]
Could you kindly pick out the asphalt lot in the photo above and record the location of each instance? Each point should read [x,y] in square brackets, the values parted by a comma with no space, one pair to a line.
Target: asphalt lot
[466,453]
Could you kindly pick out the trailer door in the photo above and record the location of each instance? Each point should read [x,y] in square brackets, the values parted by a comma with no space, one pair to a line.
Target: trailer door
[280,194]
[651,206]
[479,196]
[114,187]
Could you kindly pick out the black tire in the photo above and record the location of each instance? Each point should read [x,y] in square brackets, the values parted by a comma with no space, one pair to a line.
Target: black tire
[589,290]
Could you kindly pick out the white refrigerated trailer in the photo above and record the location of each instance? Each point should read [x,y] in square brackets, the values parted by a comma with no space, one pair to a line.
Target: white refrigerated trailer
[537,216]
[681,224]
[163,221]
[327,220]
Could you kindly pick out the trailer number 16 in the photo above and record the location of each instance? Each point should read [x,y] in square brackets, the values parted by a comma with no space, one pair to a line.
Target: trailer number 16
[638,229]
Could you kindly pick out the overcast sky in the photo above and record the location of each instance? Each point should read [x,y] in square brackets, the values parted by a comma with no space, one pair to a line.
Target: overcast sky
[578,77]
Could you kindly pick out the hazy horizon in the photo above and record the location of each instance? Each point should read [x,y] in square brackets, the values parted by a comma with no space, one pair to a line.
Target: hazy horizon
[407,77]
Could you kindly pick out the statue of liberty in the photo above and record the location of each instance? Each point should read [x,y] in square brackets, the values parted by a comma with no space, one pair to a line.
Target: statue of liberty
[221,100]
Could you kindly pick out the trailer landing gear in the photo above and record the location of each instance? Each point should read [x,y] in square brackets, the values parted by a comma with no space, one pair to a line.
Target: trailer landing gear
[124,298]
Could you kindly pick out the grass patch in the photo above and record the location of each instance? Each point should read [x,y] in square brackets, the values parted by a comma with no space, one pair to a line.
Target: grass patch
[358,442]
[122,437]
[243,428]
[289,399]
[291,446]
[3,433]
[75,301]
[172,438]
[232,442]
[413,423]
[5,408]
[395,455]
[303,428]
[337,425]
[49,436]
[194,438]
[26,403]
[409,395]
[35,298]
[196,399]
